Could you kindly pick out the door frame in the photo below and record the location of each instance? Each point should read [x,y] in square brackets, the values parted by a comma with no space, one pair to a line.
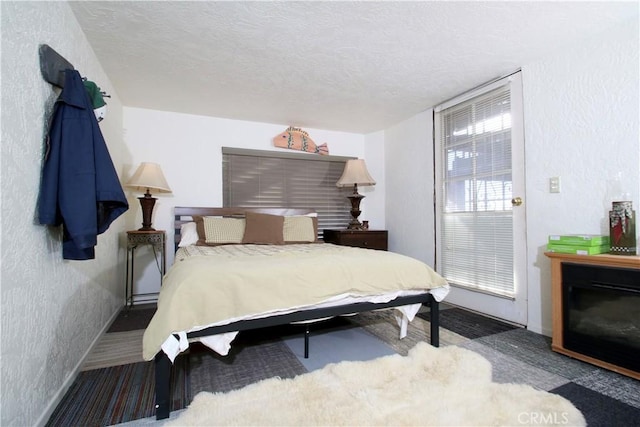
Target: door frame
[515,309]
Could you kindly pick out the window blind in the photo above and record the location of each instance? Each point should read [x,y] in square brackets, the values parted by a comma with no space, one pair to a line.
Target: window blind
[476,217]
[259,178]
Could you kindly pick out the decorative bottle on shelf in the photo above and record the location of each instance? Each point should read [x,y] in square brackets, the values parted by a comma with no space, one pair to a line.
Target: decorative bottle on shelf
[622,228]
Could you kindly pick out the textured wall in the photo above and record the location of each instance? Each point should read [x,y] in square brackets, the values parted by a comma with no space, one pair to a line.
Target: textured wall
[52,310]
[581,108]
[581,123]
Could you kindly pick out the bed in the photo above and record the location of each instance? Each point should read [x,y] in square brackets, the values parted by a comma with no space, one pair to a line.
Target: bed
[237,269]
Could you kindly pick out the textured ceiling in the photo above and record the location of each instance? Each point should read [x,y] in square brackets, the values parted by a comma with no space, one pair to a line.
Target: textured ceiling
[350,66]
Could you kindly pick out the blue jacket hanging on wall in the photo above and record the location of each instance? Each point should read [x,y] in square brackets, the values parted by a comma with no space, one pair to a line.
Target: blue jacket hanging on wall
[80,189]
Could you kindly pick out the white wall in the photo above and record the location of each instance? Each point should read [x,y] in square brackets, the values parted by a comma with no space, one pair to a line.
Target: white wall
[188,148]
[581,123]
[373,205]
[410,185]
[52,310]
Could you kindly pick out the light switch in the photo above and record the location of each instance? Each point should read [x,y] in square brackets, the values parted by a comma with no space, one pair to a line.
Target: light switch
[554,184]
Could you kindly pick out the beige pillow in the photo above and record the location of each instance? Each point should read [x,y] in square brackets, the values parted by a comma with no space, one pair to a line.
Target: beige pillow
[214,230]
[300,229]
[263,229]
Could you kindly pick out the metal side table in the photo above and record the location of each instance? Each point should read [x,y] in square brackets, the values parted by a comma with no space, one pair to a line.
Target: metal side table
[157,240]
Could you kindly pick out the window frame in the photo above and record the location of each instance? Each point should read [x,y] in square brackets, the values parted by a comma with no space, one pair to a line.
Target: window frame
[487,223]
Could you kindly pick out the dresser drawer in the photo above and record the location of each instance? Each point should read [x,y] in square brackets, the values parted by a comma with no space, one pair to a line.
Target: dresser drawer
[371,239]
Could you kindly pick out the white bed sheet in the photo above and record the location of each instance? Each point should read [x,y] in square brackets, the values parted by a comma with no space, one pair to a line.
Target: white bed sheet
[221,343]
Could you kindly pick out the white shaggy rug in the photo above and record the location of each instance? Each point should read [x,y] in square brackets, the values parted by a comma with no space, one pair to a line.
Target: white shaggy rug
[448,386]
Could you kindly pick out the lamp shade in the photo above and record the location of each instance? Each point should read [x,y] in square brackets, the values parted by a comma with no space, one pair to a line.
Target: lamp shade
[149,176]
[355,172]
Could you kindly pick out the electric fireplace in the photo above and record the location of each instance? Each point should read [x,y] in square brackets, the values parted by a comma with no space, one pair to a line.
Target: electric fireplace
[601,313]
[596,309]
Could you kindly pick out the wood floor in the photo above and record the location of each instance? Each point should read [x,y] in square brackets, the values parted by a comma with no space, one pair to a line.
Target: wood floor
[116,348]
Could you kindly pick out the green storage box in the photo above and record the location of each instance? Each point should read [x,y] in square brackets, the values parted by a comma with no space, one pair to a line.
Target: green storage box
[578,249]
[579,239]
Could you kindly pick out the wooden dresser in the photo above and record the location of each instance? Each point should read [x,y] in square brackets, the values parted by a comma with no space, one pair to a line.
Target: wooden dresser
[370,239]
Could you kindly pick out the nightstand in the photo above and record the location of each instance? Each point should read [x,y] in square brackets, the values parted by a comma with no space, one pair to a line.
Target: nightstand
[370,239]
[157,240]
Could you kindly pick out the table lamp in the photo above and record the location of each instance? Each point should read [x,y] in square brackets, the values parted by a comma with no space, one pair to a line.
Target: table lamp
[148,177]
[355,173]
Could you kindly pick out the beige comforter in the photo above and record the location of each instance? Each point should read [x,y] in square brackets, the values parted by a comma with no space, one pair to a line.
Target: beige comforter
[216,286]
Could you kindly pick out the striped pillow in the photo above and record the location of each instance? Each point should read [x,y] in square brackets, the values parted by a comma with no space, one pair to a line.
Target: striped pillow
[214,230]
[300,229]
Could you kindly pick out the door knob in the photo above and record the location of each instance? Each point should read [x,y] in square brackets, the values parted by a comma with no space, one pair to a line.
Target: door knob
[516,201]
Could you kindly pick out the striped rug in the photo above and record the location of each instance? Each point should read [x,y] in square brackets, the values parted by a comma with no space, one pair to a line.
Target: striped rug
[113,395]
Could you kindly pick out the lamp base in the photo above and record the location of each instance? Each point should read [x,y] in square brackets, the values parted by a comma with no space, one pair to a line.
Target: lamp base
[355,225]
[147,202]
[355,199]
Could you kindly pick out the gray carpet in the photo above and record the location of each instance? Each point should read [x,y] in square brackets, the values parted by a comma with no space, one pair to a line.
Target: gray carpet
[243,366]
[133,318]
[517,355]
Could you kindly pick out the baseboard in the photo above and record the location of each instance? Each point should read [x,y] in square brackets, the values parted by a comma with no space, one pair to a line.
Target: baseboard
[486,315]
[57,398]
[539,329]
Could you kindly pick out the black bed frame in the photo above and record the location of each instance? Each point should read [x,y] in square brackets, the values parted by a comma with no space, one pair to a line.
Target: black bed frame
[163,364]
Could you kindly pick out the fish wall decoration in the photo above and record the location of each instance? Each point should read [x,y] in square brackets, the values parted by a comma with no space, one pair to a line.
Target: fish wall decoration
[296,139]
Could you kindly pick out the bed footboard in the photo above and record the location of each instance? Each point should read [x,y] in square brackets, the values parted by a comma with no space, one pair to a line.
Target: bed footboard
[163,365]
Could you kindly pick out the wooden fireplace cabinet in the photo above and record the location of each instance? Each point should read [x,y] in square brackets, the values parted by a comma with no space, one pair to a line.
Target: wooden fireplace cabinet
[603,260]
